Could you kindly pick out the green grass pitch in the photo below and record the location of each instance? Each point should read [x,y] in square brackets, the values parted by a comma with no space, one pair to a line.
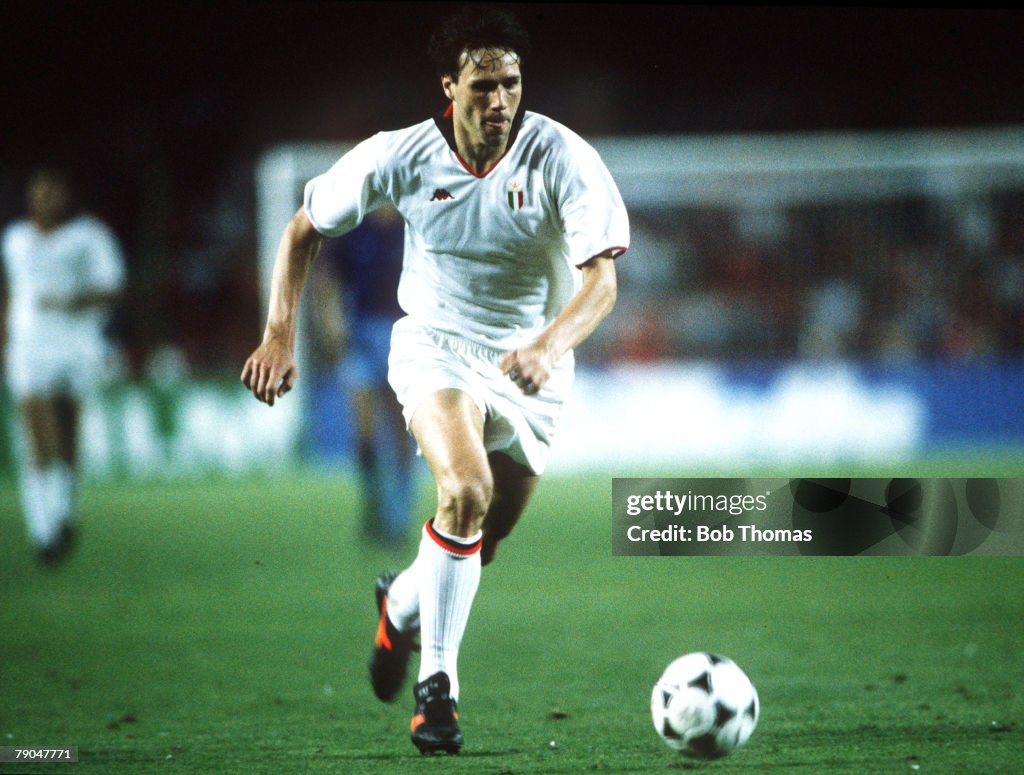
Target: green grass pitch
[224,626]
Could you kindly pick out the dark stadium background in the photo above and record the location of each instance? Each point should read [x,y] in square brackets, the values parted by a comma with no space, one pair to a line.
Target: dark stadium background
[162,108]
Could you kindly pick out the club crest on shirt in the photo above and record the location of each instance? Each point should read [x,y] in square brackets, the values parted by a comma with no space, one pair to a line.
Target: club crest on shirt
[516,196]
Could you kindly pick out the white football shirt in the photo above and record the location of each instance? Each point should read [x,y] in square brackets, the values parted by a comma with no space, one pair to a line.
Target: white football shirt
[45,270]
[491,257]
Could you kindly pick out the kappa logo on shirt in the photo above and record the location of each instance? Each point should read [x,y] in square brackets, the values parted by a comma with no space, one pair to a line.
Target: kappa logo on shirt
[440,195]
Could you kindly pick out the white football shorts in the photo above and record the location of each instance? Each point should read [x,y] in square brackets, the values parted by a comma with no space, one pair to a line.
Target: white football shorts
[424,360]
[67,365]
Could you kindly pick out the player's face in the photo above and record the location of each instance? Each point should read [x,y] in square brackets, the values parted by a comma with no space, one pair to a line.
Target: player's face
[485,97]
[48,199]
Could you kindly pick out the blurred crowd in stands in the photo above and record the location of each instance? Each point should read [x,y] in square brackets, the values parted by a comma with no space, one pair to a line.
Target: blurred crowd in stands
[873,281]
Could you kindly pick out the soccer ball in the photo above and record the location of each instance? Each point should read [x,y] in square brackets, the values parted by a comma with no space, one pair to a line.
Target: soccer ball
[704,705]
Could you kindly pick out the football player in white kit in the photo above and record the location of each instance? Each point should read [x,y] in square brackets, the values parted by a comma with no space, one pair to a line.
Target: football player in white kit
[64,272]
[513,224]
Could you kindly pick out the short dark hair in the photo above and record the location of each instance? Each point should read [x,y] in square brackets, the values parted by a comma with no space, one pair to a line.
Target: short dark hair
[473,28]
[51,174]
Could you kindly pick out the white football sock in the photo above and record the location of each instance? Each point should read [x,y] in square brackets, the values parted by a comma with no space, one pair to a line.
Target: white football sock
[60,484]
[449,574]
[39,519]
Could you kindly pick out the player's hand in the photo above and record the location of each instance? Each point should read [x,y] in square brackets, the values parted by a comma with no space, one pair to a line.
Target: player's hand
[529,367]
[270,371]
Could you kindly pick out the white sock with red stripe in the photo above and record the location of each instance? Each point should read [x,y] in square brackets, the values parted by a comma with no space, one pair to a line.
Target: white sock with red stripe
[449,574]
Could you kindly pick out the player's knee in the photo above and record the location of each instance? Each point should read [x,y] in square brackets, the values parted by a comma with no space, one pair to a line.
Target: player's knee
[463,501]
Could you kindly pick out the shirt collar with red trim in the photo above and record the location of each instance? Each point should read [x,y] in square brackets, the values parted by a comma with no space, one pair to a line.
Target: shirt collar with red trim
[447,128]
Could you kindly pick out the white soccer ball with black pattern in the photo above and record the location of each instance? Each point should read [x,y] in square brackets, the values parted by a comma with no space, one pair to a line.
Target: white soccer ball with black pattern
[704,705]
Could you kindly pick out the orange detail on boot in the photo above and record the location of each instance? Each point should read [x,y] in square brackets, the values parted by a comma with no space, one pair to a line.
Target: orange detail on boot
[382,640]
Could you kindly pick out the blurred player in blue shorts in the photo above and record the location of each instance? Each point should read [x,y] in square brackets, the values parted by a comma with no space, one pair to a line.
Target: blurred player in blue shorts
[64,272]
[513,225]
[364,267]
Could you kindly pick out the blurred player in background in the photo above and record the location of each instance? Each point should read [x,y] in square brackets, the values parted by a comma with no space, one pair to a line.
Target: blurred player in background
[513,224]
[362,271]
[64,272]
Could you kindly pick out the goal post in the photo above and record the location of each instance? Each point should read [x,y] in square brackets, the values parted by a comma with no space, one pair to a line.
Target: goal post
[281,175]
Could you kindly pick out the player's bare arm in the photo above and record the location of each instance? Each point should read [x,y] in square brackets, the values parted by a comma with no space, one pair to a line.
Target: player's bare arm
[270,371]
[530,367]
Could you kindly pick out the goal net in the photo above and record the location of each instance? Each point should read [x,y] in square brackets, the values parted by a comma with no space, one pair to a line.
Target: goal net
[849,247]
